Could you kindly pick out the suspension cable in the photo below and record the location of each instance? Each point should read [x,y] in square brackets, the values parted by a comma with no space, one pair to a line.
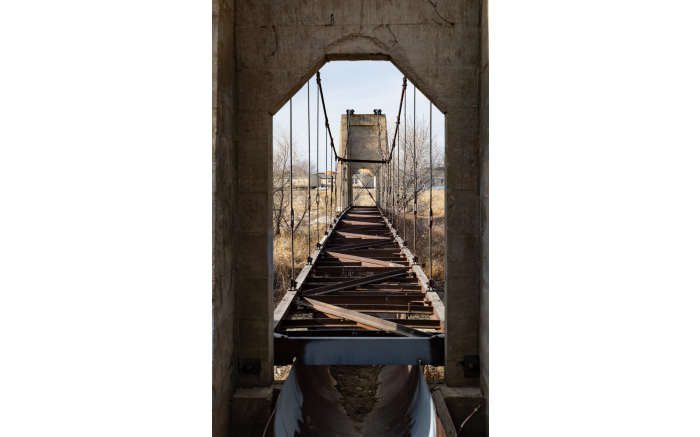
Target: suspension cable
[292,283]
[325,114]
[325,185]
[430,217]
[332,189]
[415,174]
[398,118]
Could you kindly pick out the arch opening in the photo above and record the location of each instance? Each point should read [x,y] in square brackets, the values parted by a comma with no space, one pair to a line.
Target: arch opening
[371,90]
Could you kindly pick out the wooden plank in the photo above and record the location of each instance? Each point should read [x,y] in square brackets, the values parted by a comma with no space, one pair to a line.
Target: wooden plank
[444,414]
[364,245]
[359,223]
[364,260]
[362,319]
[362,236]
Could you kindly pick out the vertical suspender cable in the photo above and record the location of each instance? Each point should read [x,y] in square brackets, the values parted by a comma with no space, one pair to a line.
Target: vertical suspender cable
[346,168]
[334,184]
[325,184]
[403,185]
[291,193]
[379,145]
[308,187]
[415,174]
[318,176]
[396,191]
[430,223]
[398,177]
[332,191]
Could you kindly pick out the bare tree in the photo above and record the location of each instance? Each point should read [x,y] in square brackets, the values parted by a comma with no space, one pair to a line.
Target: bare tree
[280,181]
[416,184]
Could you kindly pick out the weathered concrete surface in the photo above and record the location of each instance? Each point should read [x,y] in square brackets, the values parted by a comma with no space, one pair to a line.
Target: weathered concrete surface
[251,410]
[368,140]
[484,193]
[461,402]
[265,50]
[224,374]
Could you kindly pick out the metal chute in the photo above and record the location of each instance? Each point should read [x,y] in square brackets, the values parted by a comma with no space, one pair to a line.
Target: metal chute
[310,405]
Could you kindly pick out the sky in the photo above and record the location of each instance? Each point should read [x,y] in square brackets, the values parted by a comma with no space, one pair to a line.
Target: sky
[359,85]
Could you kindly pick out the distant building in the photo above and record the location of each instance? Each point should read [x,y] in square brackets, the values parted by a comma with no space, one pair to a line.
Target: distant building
[439,177]
[325,179]
[363,178]
[317,180]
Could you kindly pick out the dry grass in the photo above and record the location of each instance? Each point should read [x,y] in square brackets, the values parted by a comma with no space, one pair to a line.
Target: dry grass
[282,250]
[434,374]
[422,247]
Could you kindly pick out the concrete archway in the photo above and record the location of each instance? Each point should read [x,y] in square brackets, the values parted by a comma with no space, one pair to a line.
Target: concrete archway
[264,51]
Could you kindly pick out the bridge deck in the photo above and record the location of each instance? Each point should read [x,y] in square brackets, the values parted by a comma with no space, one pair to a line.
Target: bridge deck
[362,300]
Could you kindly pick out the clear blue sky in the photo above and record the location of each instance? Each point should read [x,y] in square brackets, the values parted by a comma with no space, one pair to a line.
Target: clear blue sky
[359,85]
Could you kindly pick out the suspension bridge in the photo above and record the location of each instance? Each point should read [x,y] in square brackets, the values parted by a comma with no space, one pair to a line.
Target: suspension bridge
[362,298]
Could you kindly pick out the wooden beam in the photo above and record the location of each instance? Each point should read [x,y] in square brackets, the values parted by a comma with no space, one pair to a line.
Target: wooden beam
[444,414]
[362,236]
[359,223]
[364,260]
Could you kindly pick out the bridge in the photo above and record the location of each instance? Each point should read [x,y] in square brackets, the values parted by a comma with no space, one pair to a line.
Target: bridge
[361,298]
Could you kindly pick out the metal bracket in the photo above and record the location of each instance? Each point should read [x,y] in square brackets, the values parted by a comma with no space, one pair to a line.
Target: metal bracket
[471,366]
[249,366]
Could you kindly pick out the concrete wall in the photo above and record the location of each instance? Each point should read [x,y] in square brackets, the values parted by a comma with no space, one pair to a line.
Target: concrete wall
[484,191]
[224,369]
[264,51]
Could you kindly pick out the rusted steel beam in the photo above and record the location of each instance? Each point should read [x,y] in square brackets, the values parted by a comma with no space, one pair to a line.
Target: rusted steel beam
[355,270]
[366,298]
[356,282]
[310,323]
[362,319]
[354,350]
[415,296]
[409,308]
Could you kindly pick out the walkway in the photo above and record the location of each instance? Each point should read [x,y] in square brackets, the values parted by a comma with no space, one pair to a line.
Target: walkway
[360,301]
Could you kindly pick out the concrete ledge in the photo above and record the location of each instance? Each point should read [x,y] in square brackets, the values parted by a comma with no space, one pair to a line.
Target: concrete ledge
[250,411]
